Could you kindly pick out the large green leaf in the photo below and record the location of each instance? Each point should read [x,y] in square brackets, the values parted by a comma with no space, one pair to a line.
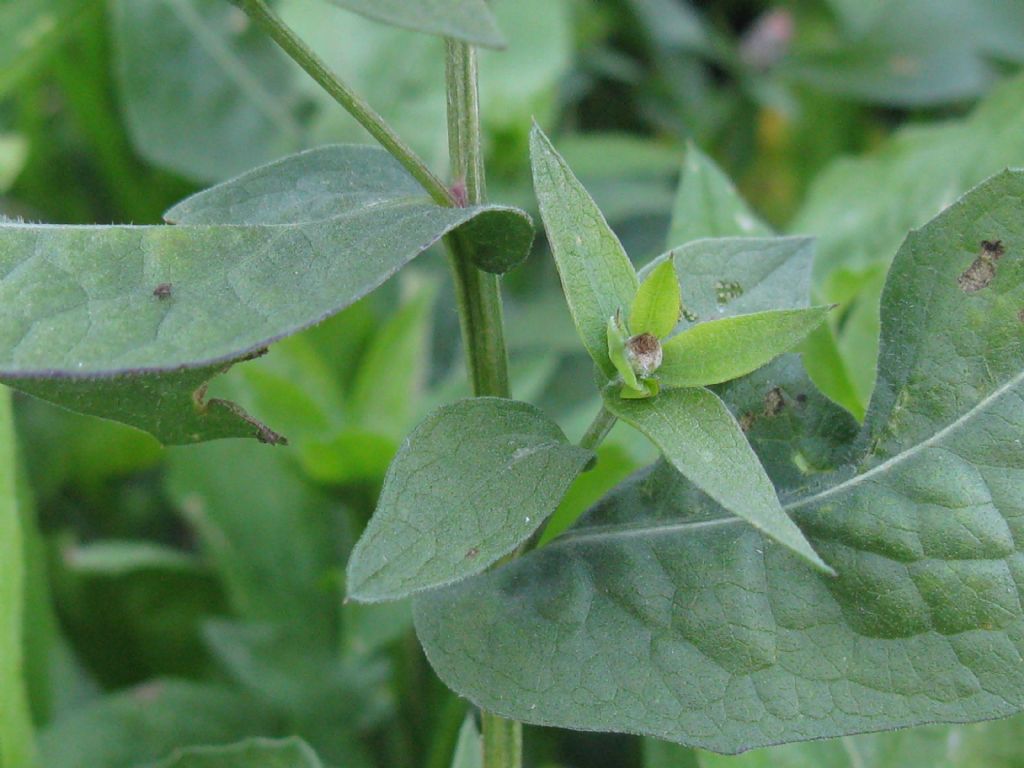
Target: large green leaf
[469,485]
[700,438]
[207,96]
[597,276]
[148,722]
[129,323]
[204,93]
[469,20]
[995,744]
[16,747]
[861,208]
[696,629]
[708,205]
[254,753]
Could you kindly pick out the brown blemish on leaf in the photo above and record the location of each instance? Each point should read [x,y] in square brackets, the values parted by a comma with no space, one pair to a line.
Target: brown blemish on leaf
[163,291]
[747,420]
[801,398]
[983,269]
[263,433]
[993,248]
[1020,315]
[473,552]
[774,402]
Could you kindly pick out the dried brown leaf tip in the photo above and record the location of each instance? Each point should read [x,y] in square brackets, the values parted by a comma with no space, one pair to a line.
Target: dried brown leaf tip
[983,269]
[774,402]
[163,291]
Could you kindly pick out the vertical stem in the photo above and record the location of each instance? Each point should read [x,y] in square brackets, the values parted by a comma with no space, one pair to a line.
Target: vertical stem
[479,301]
[477,293]
[503,742]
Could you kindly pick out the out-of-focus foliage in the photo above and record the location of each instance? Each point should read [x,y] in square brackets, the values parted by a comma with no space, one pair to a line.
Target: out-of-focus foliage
[175,598]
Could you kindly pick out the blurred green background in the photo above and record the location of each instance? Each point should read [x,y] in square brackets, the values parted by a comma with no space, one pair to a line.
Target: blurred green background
[193,595]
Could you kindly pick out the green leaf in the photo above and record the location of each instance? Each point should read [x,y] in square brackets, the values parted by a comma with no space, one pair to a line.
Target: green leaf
[915,53]
[469,20]
[326,698]
[698,630]
[469,751]
[796,431]
[148,722]
[708,205]
[204,93]
[597,276]
[720,350]
[469,485]
[129,323]
[270,535]
[828,369]
[657,303]
[732,276]
[995,744]
[254,753]
[349,180]
[16,738]
[700,438]
[861,208]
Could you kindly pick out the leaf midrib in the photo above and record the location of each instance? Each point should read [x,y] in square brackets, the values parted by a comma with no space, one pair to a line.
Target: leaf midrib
[633,530]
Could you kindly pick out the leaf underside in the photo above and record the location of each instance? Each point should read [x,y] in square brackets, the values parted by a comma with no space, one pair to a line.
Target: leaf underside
[661,615]
[469,20]
[129,322]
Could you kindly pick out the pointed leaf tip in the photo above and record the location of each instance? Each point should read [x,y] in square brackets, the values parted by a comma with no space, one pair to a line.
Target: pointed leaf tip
[596,274]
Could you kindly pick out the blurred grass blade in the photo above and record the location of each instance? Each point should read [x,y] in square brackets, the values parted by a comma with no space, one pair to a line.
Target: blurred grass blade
[16,740]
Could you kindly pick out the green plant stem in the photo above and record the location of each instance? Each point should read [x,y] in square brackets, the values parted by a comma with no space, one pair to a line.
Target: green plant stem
[264,16]
[480,315]
[503,742]
[477,293]
[598,429]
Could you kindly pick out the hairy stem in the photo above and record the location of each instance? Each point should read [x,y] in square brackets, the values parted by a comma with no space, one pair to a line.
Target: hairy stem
[503,742]
[265,17]
[598,429]
[479,301]
[477,293]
